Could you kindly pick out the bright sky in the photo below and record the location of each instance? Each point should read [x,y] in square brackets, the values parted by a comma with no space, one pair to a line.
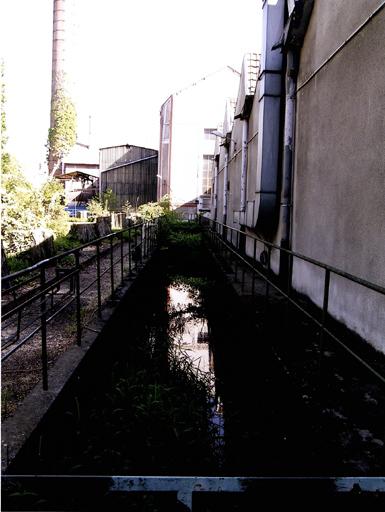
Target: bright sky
[124,58]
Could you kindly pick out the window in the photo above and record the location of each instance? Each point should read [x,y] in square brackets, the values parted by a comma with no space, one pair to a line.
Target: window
[207,173]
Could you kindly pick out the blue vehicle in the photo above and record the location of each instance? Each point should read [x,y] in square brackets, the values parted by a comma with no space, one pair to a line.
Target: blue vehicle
[77,209]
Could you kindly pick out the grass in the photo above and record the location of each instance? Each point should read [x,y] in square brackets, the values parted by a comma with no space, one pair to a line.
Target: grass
[15,264]
[65,243]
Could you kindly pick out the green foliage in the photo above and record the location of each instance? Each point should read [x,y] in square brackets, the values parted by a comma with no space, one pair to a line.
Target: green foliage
[21,211]
[74,220]
[65,243]
[109,200]
[128,209]
[62,136]
[15,264]
[165,203]
[53,201]
[101,207]
[177,232]
[154,210]
[18,204]
[185,240]
[67,261]
[25,209]
[95,208]
[150,211]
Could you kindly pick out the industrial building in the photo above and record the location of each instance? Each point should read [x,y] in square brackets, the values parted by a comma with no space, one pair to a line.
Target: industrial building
[301,160]
[130,172]
[186,156]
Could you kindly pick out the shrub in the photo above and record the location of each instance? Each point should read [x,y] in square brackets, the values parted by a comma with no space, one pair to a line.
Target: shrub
[53,200]
[150,211]
[95,208]
[65,243]
[101,207]
[15,264]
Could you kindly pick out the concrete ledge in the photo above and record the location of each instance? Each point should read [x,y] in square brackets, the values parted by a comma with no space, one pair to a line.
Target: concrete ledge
[19,427]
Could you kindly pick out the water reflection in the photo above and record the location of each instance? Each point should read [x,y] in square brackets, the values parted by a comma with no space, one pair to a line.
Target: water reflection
[190,334]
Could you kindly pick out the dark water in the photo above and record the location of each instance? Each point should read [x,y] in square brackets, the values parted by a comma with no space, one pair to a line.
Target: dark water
[184,382]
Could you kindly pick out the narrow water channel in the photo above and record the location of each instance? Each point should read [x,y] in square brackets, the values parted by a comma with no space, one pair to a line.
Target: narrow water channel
[182,382]
[190,337]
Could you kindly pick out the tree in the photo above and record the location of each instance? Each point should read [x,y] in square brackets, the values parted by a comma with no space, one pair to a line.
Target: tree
[21,211]
[24,208]
[102,206]
[62,134]
[3,119]
[52,199]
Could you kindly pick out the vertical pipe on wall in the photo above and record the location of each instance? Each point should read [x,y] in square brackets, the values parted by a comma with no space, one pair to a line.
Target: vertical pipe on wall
[215,188]
[288,148]
[245,135]
[225,184]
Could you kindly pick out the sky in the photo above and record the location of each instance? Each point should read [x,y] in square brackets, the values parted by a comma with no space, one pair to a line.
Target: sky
[123,59]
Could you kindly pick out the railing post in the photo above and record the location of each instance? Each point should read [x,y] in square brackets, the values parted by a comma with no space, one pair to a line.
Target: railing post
[98,279]
[243,278]
[254,260]
[78,306]
[129,253]
[148,238]
[18,324]
[121,257]
[268,273]
[145,240]
[44,355]
[236,260]
[112,265]
[326,297]
[325,307]
[136,249]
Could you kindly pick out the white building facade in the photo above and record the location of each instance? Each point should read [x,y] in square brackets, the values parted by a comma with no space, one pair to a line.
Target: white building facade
[187,145]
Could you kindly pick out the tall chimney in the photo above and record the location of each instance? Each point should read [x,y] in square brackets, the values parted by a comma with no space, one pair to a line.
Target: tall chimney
[58,49]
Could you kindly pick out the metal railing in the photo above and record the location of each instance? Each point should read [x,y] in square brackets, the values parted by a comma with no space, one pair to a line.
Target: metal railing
[36,289]
[218,234]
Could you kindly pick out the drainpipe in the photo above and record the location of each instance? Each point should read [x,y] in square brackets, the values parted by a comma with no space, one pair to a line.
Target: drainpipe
[288,148]
[225,184]
[245,134]
[215,189]
[291,42]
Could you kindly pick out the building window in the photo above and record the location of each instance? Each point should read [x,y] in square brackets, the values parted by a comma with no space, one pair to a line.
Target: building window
[207,173]
[208,134]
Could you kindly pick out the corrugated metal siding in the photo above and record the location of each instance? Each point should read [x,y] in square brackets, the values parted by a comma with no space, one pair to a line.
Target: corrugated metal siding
[136,182]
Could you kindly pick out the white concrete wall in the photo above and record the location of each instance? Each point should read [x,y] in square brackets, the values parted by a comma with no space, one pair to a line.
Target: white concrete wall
[339,181]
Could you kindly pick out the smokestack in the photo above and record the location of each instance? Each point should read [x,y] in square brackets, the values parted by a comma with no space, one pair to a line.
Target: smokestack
[58,49]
